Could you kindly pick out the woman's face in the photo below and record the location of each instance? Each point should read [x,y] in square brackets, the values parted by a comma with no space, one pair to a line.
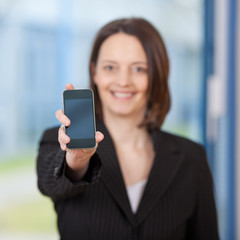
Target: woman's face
[121,75]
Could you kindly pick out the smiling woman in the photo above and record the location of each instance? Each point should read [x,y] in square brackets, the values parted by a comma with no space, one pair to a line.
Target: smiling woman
[133,184]
[144,47]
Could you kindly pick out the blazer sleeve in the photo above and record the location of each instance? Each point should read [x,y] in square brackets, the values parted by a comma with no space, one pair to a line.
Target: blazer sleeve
[51,164]
[203,224]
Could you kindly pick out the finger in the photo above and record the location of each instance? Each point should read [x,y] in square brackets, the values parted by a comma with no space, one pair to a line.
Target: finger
[69,86]
[62,144]
[62,118]
[99,137]
[62,136]
[63,147]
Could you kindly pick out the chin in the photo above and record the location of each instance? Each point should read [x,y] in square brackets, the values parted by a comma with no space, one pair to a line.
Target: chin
[126,112]
[123,113]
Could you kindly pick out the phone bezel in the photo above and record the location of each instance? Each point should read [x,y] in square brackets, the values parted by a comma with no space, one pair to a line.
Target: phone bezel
[81,143]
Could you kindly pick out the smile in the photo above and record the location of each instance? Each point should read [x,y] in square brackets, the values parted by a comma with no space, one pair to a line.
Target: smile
[122,95]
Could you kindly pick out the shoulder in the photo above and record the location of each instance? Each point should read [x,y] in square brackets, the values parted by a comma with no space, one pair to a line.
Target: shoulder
[190,154]
[192,151]
[182,143]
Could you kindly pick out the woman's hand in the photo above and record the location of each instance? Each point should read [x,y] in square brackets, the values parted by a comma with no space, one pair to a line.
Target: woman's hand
[77,159]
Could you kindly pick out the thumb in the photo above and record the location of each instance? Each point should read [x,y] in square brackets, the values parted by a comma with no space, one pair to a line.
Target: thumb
[99,136]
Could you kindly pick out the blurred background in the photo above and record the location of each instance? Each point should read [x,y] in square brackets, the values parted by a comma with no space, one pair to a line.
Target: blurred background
[45,44]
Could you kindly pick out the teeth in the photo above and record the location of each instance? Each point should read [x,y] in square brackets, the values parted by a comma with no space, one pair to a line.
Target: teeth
[122,95]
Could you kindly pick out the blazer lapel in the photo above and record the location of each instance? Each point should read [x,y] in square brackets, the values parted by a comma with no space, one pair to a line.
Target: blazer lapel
[111,173]
[166,163]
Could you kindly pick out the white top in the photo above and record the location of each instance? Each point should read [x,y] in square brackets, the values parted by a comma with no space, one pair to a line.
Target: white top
[135,193]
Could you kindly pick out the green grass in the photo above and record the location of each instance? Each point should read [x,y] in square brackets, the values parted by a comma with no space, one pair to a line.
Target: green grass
[16,163]
[32,216]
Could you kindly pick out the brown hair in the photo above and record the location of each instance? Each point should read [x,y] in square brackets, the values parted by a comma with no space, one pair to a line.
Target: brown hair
[158,97]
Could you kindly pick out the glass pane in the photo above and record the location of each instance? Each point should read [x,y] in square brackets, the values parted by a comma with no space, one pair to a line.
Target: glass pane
[44,45]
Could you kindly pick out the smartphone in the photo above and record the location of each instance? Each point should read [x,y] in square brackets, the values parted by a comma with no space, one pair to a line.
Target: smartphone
[79,108]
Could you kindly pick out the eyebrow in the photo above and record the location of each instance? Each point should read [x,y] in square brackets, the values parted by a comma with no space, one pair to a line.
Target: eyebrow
[140,62]
[108,61]
[111,61]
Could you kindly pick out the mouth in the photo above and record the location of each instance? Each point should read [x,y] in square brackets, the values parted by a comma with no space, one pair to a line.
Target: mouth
[122,95]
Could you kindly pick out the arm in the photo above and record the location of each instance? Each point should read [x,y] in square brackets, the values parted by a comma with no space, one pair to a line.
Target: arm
[203,225]
[52,166]
[64,172]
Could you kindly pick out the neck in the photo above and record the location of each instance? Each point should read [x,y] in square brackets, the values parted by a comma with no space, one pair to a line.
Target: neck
[126,131]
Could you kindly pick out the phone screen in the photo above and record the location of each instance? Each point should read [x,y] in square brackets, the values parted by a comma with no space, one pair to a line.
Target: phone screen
[79,108]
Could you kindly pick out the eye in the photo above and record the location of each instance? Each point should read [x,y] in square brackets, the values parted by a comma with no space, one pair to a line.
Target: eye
[109,67]
[140,69]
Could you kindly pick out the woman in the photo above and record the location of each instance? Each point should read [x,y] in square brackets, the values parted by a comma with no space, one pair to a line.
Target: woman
[139,182]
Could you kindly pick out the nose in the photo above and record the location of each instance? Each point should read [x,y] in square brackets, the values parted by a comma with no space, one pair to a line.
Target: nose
[124,77]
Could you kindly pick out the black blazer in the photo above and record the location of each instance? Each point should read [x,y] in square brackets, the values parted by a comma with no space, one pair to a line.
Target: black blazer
[178,201]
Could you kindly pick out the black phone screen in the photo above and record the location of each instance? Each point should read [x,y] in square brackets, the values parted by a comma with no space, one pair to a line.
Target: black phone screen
[79,108]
